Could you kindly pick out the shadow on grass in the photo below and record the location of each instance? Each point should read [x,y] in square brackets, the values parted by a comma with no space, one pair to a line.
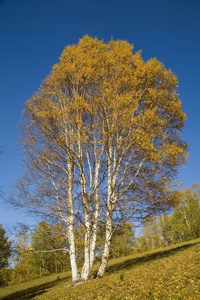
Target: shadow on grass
[32,292]
[129,263]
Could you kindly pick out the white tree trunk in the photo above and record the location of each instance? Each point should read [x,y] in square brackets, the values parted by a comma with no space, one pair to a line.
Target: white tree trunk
[74,268]
[105,256]
[71,235]
[86,267]
[93,243]
[96,217]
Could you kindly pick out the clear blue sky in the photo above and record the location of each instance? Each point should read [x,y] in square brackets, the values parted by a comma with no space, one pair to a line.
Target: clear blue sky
[33,34]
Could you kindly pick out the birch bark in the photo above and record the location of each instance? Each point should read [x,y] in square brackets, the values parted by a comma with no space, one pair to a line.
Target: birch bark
[108,237]
[97,204]
[71,235]
[105,256]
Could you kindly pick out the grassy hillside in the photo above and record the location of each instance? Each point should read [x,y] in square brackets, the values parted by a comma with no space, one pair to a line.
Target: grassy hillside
[169,273]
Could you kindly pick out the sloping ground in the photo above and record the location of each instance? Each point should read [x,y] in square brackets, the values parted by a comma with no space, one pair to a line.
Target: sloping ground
[32,288]
[170,273]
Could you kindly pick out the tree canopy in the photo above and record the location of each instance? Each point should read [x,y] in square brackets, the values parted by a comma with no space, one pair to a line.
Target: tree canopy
[102,142]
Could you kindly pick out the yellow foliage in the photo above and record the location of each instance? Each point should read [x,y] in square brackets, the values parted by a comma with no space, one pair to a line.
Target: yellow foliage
[103,97]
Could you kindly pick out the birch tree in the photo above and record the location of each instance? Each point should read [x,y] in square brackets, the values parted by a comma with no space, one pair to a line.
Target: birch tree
[102,143]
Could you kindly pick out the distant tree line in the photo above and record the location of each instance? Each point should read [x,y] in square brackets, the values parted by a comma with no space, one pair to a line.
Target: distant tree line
[183,224]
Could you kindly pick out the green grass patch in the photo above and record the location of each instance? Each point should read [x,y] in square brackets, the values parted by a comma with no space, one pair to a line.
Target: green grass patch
[35,287]
[168,273]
